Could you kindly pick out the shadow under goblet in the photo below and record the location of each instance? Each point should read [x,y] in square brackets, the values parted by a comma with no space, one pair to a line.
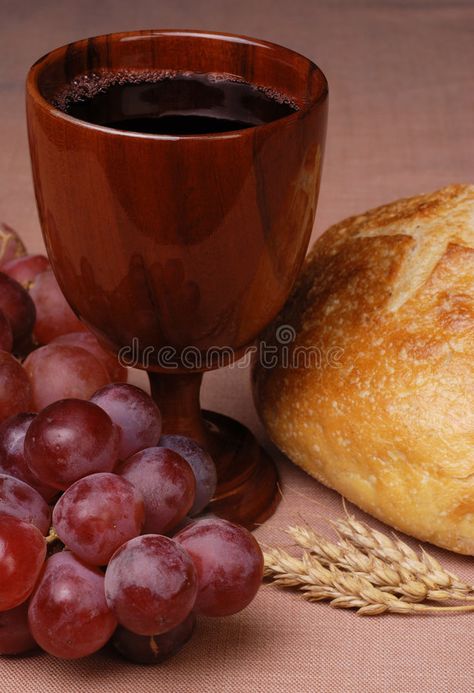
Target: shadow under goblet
[180,247]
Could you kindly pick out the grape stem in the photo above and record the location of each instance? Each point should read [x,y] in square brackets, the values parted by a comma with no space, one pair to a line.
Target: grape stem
[52,536]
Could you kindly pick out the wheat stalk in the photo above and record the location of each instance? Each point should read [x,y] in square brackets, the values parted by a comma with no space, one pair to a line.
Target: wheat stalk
[394,551]
[343,590]
[367,571]
[387,575]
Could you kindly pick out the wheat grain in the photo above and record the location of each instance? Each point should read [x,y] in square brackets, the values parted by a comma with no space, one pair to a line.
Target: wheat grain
[344,590]
[387,575]
[395,552]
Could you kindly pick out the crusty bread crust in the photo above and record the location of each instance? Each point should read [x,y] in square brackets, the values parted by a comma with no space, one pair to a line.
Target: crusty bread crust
[390,425]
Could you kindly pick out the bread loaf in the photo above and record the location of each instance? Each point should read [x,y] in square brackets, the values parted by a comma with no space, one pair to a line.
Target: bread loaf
[375,394]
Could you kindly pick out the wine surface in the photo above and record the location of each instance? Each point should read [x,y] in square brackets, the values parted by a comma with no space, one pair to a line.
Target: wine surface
[172,104]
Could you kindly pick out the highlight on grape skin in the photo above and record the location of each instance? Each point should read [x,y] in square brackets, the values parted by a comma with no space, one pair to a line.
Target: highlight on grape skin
[23,550]
[12,453]
[134,412]
[19,500]
[202,465]
[97,514]
[68,614]
[150,584]
[167,483]
[229,565]
[70,439]
[63,371]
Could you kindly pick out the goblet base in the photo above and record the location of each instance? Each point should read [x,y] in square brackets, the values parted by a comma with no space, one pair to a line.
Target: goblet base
[247,490]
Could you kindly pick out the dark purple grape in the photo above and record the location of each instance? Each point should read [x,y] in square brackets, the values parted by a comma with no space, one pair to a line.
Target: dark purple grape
[134,412]
[12,453]
[153,649]
[229,565]
[6,334]
[202,465]
[17,306]
[70,439]
[150,584]
[98,514]
[19,500]
[167,484]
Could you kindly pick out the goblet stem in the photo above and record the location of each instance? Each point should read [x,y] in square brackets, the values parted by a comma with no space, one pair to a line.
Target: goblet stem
[177,395]
[247,488]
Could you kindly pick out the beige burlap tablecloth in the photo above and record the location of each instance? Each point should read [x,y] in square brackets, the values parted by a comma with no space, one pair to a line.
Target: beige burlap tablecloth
[401,121]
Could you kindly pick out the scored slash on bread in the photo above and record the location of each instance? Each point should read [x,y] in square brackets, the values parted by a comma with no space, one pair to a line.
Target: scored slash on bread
[390,423]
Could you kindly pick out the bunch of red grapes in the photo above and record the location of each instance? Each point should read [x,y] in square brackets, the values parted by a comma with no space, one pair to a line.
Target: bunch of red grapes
[99,535]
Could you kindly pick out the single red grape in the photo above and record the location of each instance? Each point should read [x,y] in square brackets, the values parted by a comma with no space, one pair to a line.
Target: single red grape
[134,412]
[150,584]
[11,245]
[19,500]
[15,387]
[167,484]
[70,439]
[22,554]
[54,316]
[12,453]
[229,565]
[202,465]
[15,635]
[17,306]
[24,269]
[60,371]
[153,649]
[86,340]
[6,334]
[98,514]
[68,614]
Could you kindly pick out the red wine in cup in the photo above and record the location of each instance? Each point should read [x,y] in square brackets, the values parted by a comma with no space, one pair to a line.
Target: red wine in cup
[180,103]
